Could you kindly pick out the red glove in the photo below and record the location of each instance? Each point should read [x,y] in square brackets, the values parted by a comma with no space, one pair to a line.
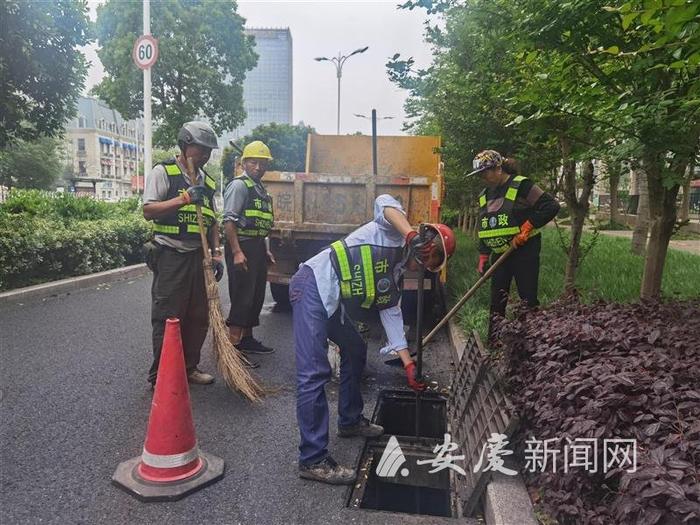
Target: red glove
[416,385]
[483,261]
[523,236]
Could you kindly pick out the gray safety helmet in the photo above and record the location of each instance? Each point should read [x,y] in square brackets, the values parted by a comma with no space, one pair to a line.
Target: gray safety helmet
[196,132]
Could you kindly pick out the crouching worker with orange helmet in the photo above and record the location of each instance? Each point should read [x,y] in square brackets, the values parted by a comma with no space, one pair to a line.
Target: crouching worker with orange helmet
[359,274]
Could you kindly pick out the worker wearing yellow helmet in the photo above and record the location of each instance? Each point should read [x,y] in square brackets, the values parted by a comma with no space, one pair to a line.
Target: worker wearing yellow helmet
[248,218]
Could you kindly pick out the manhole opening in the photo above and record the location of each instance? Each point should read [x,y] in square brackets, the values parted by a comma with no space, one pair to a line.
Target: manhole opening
[396,412]
[394,470]
[412,489]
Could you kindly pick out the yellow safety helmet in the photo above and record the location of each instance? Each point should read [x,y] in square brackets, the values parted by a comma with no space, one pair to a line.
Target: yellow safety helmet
[256,150]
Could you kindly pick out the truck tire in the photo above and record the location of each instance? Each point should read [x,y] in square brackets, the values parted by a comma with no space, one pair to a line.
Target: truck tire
[280,293]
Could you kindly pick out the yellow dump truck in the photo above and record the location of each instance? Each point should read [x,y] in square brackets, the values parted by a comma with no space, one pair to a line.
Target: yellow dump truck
[336,194]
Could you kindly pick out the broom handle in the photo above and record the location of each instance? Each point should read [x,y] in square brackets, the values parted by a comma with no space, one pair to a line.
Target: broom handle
[192,173]
[465,298]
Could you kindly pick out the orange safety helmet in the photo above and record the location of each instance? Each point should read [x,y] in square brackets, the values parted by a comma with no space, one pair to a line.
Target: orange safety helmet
[441,236]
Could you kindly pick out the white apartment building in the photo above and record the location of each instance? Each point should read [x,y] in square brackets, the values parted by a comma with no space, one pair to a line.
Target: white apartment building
[105,151]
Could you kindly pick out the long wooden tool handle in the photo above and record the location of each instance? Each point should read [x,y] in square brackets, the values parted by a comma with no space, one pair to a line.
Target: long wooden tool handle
[192,173]
[420,296]
[465,298]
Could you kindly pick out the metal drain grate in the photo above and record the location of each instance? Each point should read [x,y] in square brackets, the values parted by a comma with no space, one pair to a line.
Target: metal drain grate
[476,408]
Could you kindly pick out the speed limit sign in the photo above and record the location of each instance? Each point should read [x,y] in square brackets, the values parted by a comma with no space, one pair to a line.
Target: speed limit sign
[145,51]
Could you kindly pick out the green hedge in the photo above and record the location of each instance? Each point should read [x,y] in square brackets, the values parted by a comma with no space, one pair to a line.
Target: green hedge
[44,237]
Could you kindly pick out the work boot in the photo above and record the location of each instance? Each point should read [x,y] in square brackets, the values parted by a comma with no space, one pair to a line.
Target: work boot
[362,428]
[328,471]
[250,345]
[197,377]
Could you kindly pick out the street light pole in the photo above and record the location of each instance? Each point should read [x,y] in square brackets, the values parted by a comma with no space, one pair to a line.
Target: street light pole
[374,136]
[339,75]
[147,130]
[339,62]
[374,142]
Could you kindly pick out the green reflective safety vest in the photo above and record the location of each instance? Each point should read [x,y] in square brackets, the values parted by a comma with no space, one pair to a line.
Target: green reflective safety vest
[366,275]
[497,226]
[182,223]
[257,213]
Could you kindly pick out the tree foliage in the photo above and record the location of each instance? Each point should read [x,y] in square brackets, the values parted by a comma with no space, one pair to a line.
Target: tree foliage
[286,142]
[31,164]
[554,83]
[41,71]
[203,59]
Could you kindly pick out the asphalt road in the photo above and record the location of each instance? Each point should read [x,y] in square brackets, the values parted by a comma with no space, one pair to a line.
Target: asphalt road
[74,403]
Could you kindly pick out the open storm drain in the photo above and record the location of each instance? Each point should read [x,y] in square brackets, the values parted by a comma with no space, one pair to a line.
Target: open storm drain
[399,414]
[395,470]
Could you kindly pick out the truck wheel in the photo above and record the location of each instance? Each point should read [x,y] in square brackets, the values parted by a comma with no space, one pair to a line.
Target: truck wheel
[280,293]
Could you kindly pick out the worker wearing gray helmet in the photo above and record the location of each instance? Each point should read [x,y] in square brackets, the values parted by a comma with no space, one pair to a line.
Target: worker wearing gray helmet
[175,253]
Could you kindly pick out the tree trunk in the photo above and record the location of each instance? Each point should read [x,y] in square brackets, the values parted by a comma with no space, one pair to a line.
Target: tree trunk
[685,203]
[641,226]
[578,208]
[614,196]
[662,217]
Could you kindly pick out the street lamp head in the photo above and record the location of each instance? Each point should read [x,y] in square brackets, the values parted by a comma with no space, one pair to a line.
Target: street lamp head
[358,115]
[320,59]
[357,51]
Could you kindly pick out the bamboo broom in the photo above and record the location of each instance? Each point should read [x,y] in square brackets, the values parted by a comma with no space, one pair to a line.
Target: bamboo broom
[229,360]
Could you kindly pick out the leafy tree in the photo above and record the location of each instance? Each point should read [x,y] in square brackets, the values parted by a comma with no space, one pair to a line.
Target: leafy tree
[286,142]
[578,80]
[30,165]
[203,58]
[41,71]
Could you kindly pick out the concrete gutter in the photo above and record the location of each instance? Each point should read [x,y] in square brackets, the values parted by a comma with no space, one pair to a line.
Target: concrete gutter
[72,284]
[505,500]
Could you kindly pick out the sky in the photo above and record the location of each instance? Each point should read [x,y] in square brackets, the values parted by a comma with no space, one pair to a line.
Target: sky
[324,29]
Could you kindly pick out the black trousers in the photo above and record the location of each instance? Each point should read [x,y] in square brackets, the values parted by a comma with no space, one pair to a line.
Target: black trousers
[246,289]
[523,265]
[178,290]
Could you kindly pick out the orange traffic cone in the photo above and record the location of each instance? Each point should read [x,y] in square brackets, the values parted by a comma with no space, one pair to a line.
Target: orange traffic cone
[171,465]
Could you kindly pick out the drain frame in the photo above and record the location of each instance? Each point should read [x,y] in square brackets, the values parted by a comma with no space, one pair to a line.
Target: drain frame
[411,447]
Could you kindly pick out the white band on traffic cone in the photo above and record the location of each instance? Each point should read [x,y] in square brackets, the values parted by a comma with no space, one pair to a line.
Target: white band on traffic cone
[170,460]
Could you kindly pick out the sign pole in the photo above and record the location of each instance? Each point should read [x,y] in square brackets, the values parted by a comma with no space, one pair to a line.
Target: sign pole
[147,137]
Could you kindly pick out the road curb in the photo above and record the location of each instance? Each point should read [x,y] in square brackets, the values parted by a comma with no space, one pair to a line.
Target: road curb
[71,284]
[505,500]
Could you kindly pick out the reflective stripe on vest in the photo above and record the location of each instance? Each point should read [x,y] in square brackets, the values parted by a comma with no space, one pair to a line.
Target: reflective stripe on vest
[257,210]
[258,213]
[174,170]
[344,265]
[182,223]
[174,230]
[499,232]
[368,266]
[504,219]
[498,239]
[193,208]
[164,228]
[346,276]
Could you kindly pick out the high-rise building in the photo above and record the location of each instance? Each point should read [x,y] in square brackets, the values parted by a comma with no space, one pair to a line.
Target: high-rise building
[267,89]
[105,151]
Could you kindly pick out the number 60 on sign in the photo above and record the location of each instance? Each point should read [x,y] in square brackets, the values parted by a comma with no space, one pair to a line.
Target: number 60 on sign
[145,52]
